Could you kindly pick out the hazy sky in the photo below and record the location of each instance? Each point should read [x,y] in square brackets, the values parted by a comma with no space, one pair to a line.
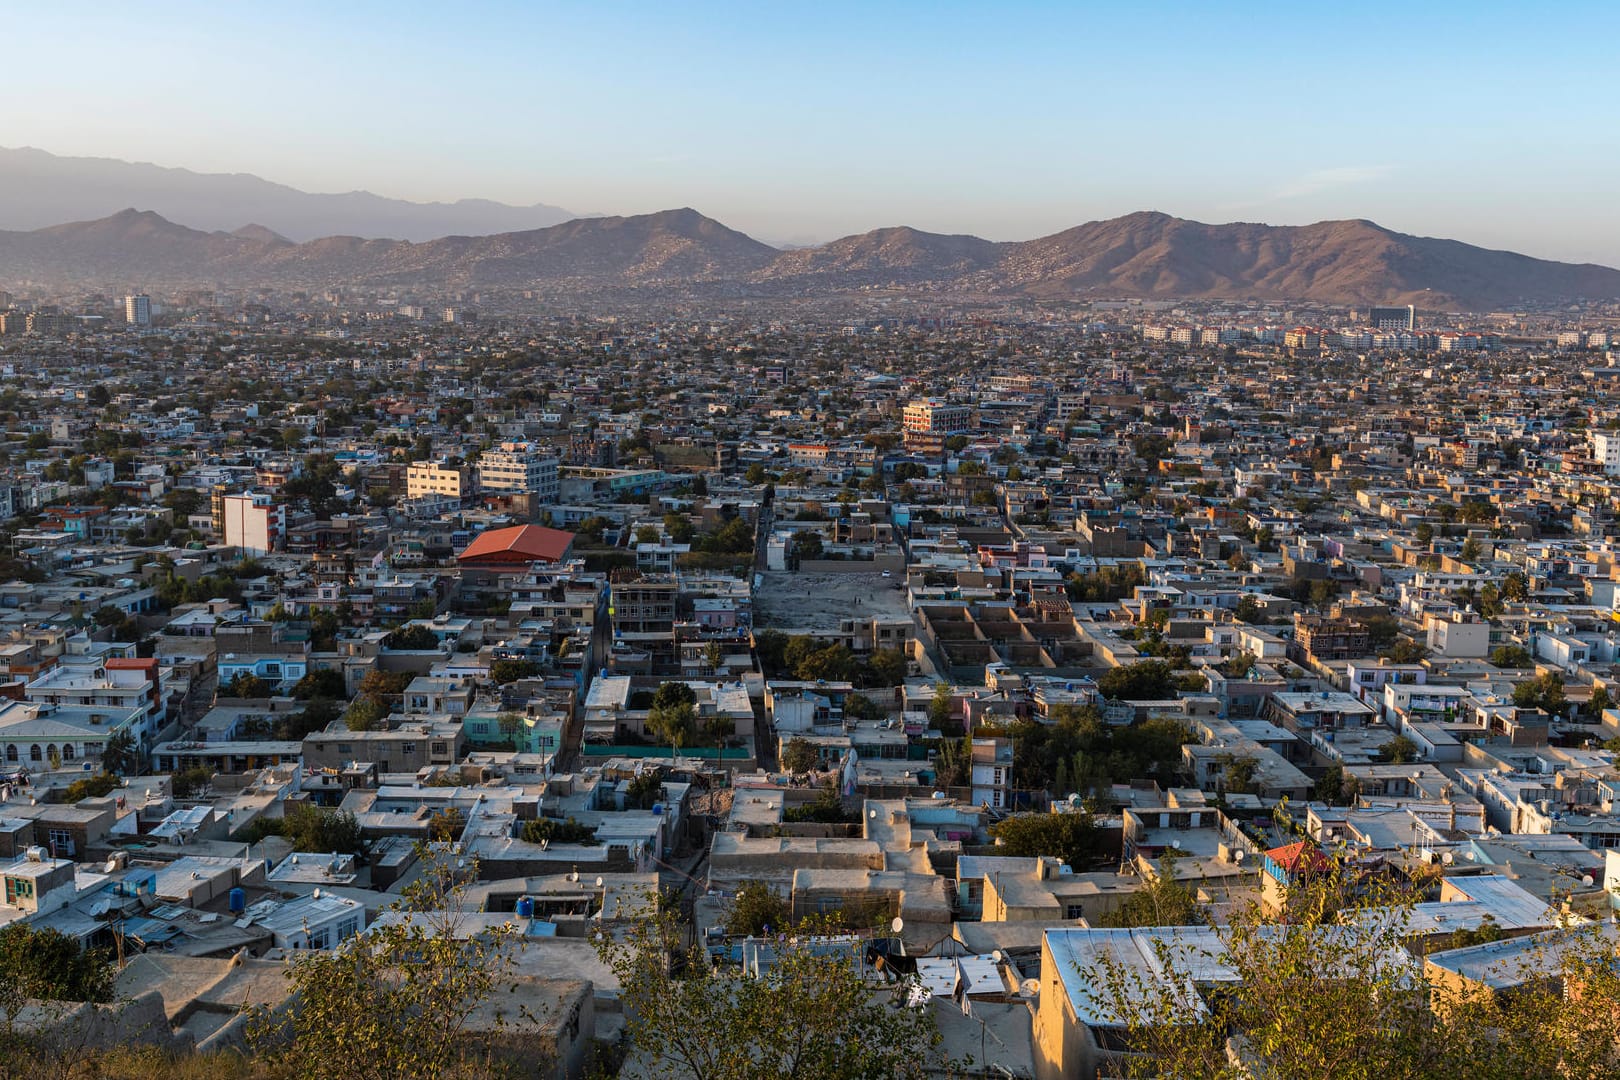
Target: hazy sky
[1487,122]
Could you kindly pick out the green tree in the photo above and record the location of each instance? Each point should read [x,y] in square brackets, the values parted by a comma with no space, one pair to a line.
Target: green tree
[120,756]
[412,638]
[1544,692]
[1511,656]
[312,828]
[246,686]
[396,1002]
[885,667]
[1403,650]
[91,787]
[756,909]
[1145,680]
[812,1016]
[507,671]
[799,756]
[1072,837]
[552,831]
[942,713]
[1398,751]
[1163,900]
[188,782]
[1331,994]
[364,714]
[321,683]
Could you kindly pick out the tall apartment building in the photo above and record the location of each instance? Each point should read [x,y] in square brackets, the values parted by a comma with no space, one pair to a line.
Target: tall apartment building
[517,467]
[1393,318]
[138,310]
[1606,449]
[936,417]
[644,614]
[425,478]
[252,522]
[928,422]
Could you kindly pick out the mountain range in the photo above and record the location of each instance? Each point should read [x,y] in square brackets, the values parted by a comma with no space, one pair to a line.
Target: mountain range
[1144,255]
[38,189]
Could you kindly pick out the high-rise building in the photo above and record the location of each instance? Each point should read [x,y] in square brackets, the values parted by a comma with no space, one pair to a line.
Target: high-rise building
[1393,318]
[519,467]
[138,310]
[253,522]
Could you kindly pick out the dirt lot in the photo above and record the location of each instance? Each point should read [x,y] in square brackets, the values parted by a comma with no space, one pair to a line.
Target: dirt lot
[791,601]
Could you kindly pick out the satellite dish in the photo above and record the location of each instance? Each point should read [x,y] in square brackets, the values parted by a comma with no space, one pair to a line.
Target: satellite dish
[898,924]
[1588,880]
[997,956]
[1030,987]
[573,875]
[599,881]
[871,813]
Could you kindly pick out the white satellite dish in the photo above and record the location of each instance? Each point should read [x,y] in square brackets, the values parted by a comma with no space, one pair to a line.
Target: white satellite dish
[898,924]
[599,881]
[1030,987]
[996,956]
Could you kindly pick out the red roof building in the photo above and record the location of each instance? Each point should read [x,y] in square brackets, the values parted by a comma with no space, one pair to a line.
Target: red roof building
[515,547]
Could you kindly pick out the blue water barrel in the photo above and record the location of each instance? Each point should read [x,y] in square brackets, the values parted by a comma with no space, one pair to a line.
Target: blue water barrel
[238,901]
[525,908]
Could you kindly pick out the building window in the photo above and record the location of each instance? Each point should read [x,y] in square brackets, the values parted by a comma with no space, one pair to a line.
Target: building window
[345,748]
[441,748]
[34,753]
[61,842]
[11,751]
[1073,911]
[407,748]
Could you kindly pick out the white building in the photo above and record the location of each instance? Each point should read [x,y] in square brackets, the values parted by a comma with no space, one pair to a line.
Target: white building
[254,523]
[138,310]
[1459,634]
[519,467]
[1606,449]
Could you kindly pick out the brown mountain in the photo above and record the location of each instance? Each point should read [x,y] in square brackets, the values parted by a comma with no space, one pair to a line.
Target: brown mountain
[1155,255]
[1139,255]
[902,255]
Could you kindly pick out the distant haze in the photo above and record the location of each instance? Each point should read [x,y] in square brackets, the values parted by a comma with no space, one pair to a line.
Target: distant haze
[39,189]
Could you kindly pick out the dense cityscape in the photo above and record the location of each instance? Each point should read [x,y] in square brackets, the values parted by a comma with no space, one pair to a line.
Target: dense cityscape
[1003,656]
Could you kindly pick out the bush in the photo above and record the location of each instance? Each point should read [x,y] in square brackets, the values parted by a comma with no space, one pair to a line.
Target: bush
[552,831]
[91,787]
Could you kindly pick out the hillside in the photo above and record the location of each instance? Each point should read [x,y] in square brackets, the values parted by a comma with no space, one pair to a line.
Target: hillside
[1144,255]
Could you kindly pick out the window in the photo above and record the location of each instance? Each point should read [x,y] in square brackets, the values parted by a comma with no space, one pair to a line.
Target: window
[61,842]
[67,752]
[441,748]
[407,748]
[34,753]
[345,748]
[1073,911]
[11,751]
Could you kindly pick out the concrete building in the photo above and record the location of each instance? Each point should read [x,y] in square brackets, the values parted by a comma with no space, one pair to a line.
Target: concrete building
[426,478]
[138,310]
[253,523]
[519,468]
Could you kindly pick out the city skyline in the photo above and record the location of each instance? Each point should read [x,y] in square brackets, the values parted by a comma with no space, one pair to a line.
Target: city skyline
[800,127]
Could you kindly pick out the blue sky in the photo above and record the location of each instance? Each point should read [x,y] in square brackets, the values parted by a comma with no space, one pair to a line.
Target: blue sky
[1486,122]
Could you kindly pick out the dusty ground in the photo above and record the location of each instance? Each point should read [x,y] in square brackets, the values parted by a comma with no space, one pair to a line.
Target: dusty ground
[791,601]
